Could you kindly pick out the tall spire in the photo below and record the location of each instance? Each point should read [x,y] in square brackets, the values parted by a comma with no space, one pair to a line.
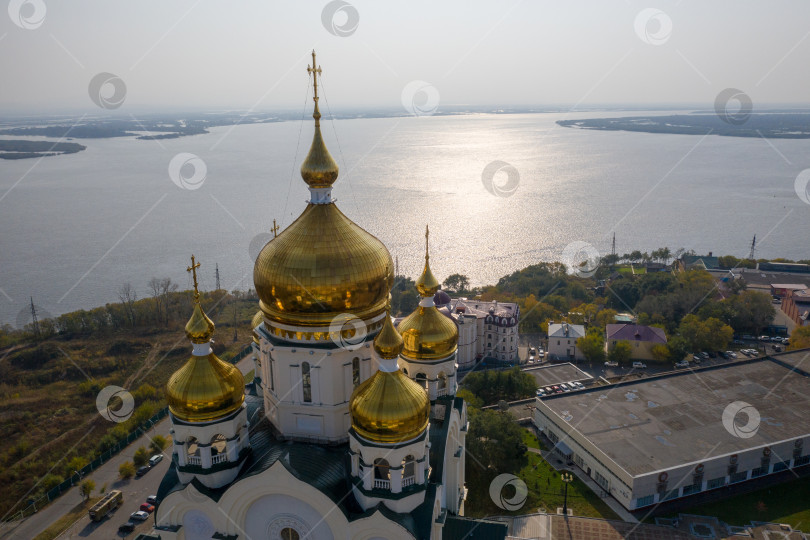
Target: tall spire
[427,284]
[319,169]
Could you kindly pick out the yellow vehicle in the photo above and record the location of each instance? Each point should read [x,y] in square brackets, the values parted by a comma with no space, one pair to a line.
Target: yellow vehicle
[107,504]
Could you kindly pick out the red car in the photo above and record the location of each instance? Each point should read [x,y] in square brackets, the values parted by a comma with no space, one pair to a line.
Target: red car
[146,507]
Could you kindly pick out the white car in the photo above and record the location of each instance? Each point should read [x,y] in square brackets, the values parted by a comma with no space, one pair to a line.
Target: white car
[682,364]
[140,515]
[639,365]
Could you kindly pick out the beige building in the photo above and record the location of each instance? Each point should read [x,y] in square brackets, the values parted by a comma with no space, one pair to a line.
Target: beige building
[642,339]
[562,342]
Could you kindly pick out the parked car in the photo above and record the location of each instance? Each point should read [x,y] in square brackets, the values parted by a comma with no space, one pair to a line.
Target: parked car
[151,499]
[148,508]
[540,352]
[682,364]
[611,364]
[578,385]
[548,390]
[704,355]
[777,348]
[532,351]
[540,393]
[140,515]
[764,338]
[748,337]
[639,365]
[154,460]
[712,354]
[777,339]
[696,358]
[731,354]
[724,355]
[785,341]
[142,470]
[556,389]
[531,359]
[127,527]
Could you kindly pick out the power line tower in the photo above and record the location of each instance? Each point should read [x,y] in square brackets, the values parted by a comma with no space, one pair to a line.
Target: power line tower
[34,320]
[216,273]
[753,248]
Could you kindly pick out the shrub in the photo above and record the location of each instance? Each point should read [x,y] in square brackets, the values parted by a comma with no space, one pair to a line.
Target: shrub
[126,470]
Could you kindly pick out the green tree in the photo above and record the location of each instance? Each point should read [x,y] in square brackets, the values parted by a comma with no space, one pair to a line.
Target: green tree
[604,318]
[620,352]
[456,283]
[158,443]
[86,488]
[471,399]
[126,470]
[495,440]
[592,346]
[141,457]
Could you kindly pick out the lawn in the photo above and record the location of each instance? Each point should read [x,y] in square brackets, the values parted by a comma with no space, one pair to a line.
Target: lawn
[545,490]
[784,503]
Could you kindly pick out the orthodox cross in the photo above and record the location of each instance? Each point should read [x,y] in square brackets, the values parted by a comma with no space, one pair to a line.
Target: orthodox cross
[315,70]
[274,229]
[193,270]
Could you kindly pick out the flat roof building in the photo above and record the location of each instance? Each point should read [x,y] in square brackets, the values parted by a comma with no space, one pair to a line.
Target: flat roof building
[685,432]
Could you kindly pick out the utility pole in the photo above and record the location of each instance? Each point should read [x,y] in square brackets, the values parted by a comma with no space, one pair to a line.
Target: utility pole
[217,275]
[613,248]
[34,320]
[753,248]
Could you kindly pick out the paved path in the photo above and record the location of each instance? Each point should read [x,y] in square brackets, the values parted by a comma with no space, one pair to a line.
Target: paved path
[134,490]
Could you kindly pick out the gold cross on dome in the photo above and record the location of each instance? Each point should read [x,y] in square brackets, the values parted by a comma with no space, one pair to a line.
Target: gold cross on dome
[274,229]
[193,270]
[427,242]
[315,71]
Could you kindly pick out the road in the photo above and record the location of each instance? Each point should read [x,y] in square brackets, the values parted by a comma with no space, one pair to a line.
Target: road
[135,492]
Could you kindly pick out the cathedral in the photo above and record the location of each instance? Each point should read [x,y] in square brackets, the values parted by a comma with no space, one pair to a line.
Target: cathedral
[351,428]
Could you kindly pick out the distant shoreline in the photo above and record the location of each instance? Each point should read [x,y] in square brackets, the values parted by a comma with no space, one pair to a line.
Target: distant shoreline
[14,149]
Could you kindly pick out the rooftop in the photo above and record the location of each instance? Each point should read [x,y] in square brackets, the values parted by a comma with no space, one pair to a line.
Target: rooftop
[674,419]
[480,308]
[560,330]
[636,332]
[556,374]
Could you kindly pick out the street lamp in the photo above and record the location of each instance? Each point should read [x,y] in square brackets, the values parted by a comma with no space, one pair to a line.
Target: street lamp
[567,478]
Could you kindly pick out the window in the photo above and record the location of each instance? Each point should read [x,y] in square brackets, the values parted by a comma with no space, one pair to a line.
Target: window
[553,437]
[409,467]
[306,382]
[192,448]
[272,383]
[759,471]
[645,501]
[716,482]
[601,480]
[738,477]
[442,380]
[781,466]
[694,488]
[804,460]
[671,494]
[381,469]
[421,379]
[355,371]
[558,342]
[218,444]
[289,534]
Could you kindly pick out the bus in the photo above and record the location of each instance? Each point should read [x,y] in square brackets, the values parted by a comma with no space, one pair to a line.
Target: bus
[107,504]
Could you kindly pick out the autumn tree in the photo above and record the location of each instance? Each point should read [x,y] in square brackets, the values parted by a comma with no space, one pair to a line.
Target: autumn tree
[456,283]
[620,352]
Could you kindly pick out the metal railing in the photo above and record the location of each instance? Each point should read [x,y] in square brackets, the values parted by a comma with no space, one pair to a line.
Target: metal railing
[408,481]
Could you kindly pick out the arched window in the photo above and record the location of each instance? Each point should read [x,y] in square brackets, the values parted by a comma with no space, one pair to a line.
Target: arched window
[421,379]
[405,371]
[381,469]
[408,467]
[442,380]
[355,371]
[306,382]
[218,444]
[192,447]
[272,382]
[289,534]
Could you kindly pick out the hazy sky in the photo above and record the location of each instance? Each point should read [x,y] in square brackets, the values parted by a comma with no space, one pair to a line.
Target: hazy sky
[253,54]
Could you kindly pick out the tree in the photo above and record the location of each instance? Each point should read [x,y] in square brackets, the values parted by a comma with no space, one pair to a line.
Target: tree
[660,353]
[710,334]
[456,283]
[126,470]
[604,318]
[620,352]
[800,338]
[141,457]
[86,488]
[471,399]
[127,296]
[592,346]
[158,443]
[495,440]
[678,348]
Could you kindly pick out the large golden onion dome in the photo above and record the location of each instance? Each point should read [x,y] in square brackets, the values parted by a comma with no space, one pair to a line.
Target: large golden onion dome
[258,319]
[389,407]
[322,265]
[427,334]
[205,388]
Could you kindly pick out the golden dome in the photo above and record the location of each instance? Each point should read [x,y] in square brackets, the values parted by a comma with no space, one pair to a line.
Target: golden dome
[427,334]
[322,265]
[204,389]
[388,342]
[199,327]
[389,408]
[256,321]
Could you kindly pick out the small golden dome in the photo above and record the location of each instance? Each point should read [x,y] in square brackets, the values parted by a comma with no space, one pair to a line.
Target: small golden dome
[389,408]
[388,342]
[204,389]
[199,327]
[319,170]
[258,319]
[426,333]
